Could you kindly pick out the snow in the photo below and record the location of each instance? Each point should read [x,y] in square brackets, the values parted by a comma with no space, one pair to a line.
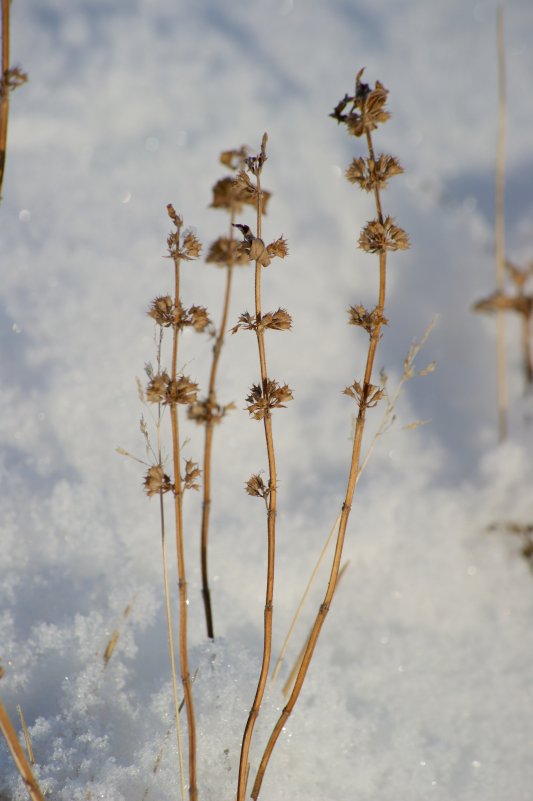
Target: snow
[421,683]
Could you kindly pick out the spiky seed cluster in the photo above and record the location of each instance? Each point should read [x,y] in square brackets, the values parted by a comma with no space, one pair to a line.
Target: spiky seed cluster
[157,481]
[279,320]
[205,410]
[246,191]
[180,245]
[367,107]
[274,396]
[165,313]
[367,396]
[360,316]
[162,389]
[233,159]
[369,174]
[378,237]
[256,486]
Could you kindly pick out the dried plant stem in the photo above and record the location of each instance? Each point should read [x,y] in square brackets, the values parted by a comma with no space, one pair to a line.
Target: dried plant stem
[19,757]
[499,224]
[170,636]
[26,734]
[208,445]
[182,582]
[346,506]
[303,599]
[4,91]
[271,516]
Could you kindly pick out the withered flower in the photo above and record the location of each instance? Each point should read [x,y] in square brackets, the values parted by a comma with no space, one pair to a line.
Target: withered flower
[255,486]
[274,397]
[278,248]
[377,237]
[369,174]
[198,318]
[368,107]
[156,391]
[157,481]
[279,320]
[360,316]
[369,399]
[204,411]
[499,301]
[162,311]
[181,390]
[225,251]
[192,472]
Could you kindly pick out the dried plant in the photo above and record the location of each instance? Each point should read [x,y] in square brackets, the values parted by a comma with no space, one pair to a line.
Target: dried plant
[10,79]
[208,412]
[362,113]
[265,396]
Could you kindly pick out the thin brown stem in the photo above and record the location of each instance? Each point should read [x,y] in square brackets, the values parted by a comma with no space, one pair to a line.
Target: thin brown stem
[271,520]
[345,513]
[182,582]
[208,445]
[18,755]
[4,89]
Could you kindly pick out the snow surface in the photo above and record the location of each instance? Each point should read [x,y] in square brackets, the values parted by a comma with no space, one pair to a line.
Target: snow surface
[421,686]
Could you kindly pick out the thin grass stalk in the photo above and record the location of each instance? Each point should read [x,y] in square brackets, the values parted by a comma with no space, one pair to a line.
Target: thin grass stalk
[19,757]
[4,91]
[271,513]
[367,395]
[182,581]
[208,445]
[499,227]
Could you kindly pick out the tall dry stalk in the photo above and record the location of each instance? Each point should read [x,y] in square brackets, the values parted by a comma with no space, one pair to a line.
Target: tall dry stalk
[265,396]
[18,755]
[224,252]
[10,79]
[361,113]
[171,391]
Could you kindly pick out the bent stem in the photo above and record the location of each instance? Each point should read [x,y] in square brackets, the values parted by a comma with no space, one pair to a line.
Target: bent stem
[271,510]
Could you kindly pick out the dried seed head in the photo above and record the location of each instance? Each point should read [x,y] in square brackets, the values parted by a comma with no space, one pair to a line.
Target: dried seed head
[256,486]
[156,391]
[278,248]
[191,246]
[246,322]
[181,390]
[279,320]
[370,174]
[192,472]
[274,397]
[367,108]
[358,315]
[208,411]
[377,237]
[198,318]
[176,219]
[162,311]
[226,252]
[156,481]
[368,396]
